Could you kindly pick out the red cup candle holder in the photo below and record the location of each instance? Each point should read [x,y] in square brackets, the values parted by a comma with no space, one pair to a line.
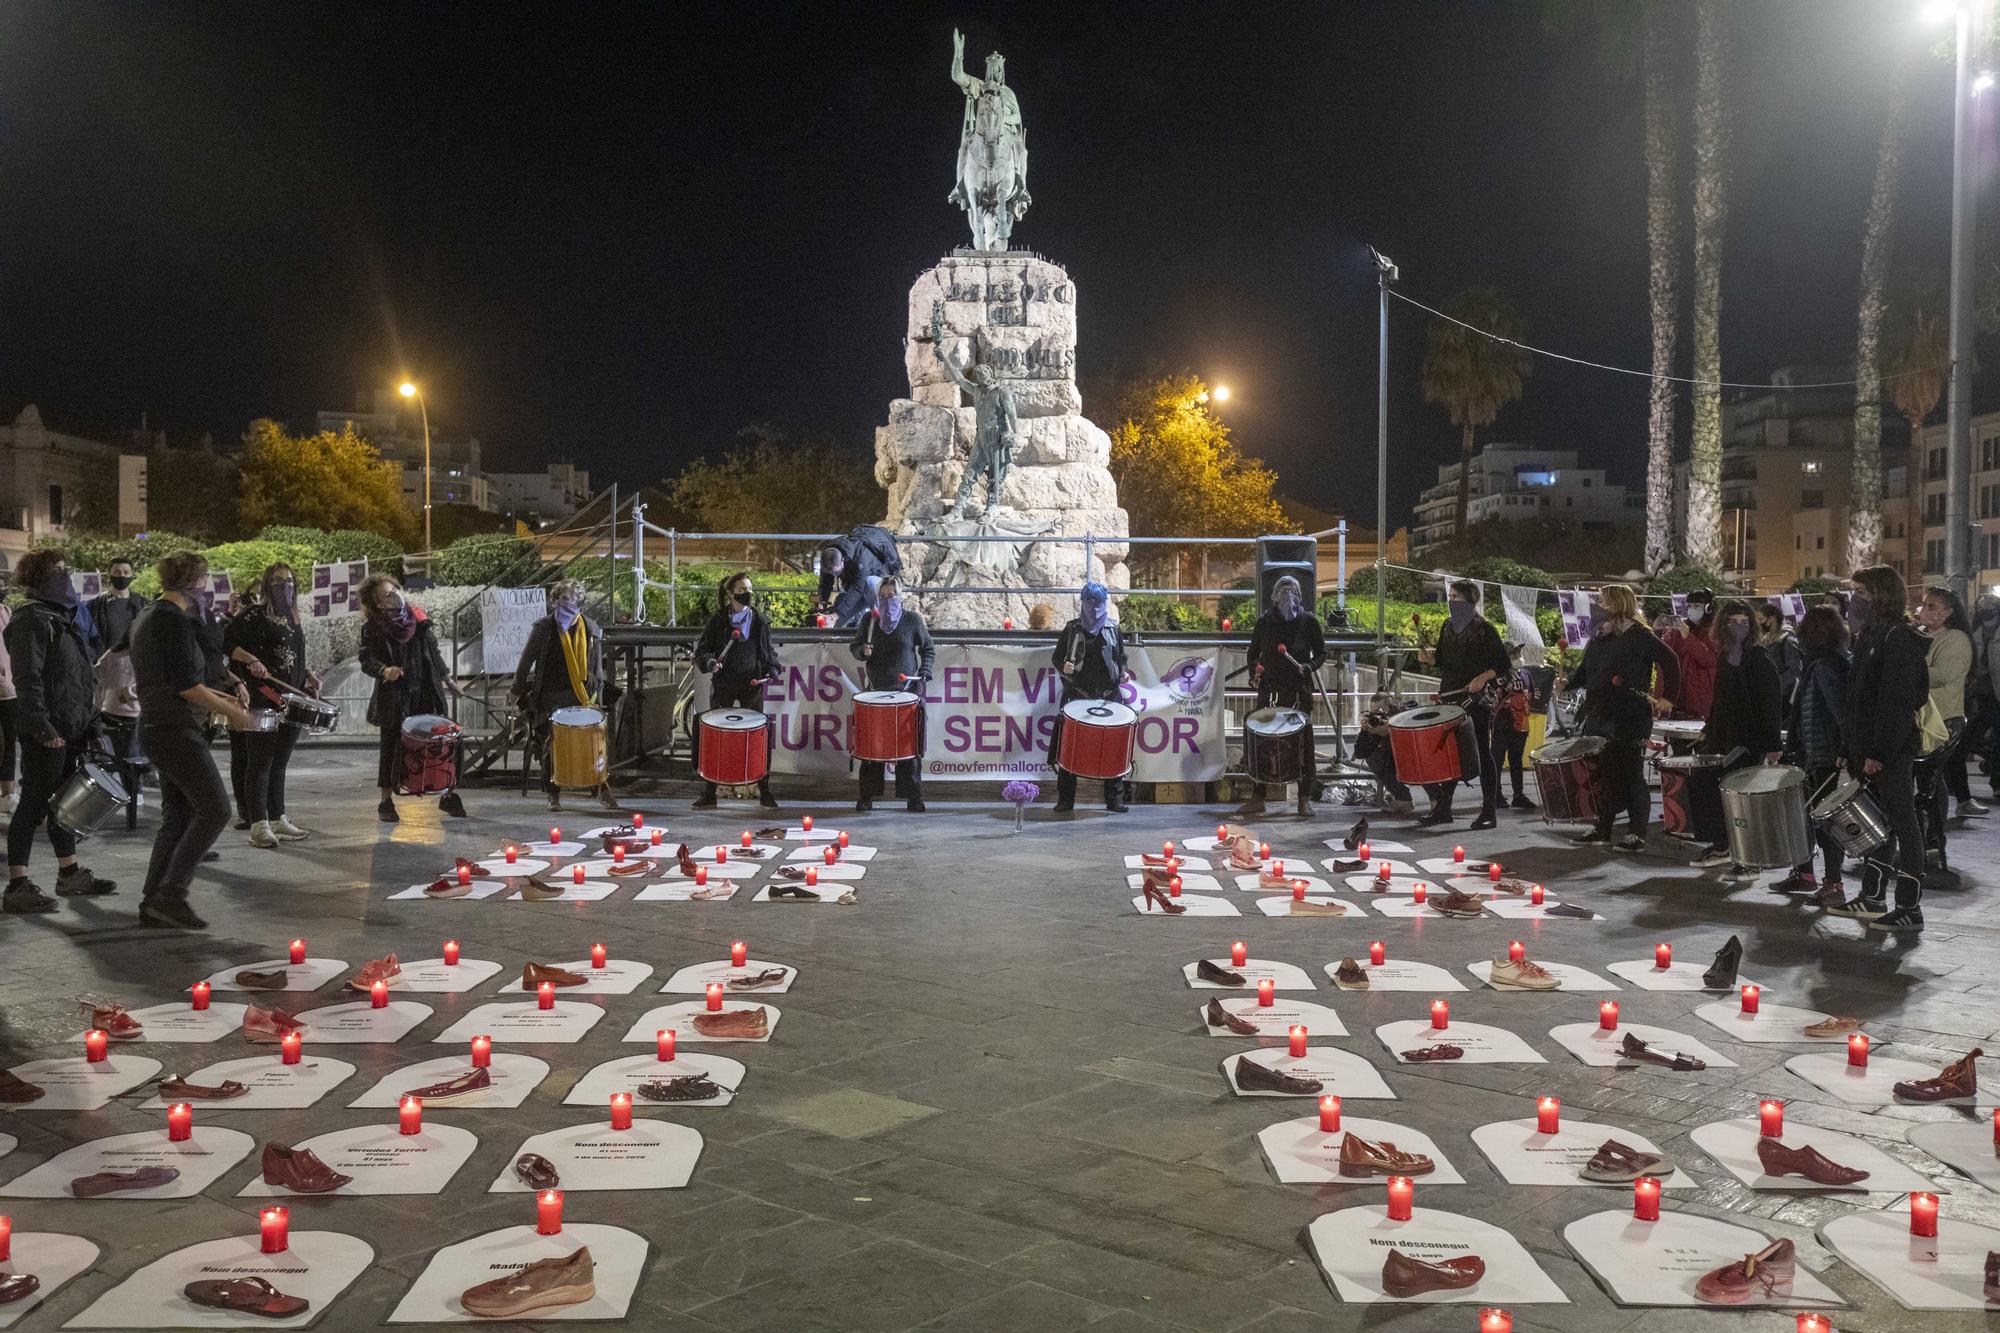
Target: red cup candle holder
[298,952]
[714,996]
[1857,1050]
[1646,1198]
[840,839]
[598,956]
[1750,995]
[199,995]
[618,853]
[701,877]
[1420,895]
[1771,1119]
[1277,867]
[638,820]
[1239,954]
[1663,956]
[1382,872]
[451,953]
[1296,1041]
[1458,855]
[576,874]
[378,995]
[1298,890]
[1402,1195]
[6,1239]
[274,1229]
[1263,851]
[1440,1014]
[1535,895]
[1493,871]
[1516,951]
[812,877]
[1548,1115]
[513,855]
[410,1115]
[545,995]
[1221,832]
[1167,847]
[829,855]
[1607,1015]
[739,954]
[745,843]
[96,1046]
[1378,953]
[807,823]
[548,1213]
[1924,1215]
[291,1047]
[464,876]
[621,1110]
[656,838]
[1809,1322]
[1174,887]
[1227,624]
[1363,851]
[1996,1130]
[663,1044]
[180,1122]
[482,1052]
[555,834]
[1329,1115]
[1495,1320]
[1267,993]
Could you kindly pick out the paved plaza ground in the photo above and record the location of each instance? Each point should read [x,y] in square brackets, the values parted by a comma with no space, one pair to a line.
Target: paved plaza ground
[989,1105]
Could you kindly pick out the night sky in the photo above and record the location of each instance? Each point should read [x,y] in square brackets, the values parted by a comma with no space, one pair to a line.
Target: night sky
[619,233]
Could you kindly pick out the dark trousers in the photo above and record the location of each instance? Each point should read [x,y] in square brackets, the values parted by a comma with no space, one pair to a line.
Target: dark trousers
[44,769]
[239,769]
[1621,768]
[1302,700]
[727,693]
[266,756]
[9,737]
[1381,762]
[1511,748]
[1895,789]
[1955,783]
[909,780]
[194,807]
[1441,793]
[1114,788]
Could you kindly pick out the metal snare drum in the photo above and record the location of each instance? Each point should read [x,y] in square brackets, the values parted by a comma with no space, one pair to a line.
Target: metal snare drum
[1850,816]
[315,717]
[576,747]
[1765,808]
[92,795]
[1276,743]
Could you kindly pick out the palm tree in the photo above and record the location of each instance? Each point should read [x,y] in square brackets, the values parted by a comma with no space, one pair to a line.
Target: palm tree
[1472,375]
[1918,365]
[1864,514]
[1663,275]
[1711,206]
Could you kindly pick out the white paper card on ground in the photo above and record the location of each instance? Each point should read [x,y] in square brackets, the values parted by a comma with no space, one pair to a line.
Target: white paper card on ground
[512,1077]
[1482,1044]
[1482,887]
[200,1159]
[1593,1045]
[855,852]
[269,1083]
[1397,870]
[1299,1154]
[1201,842]
[799,833]
[694,979]
[655,863]
[1779,1024]
[590,891]
[177,1020]
[54,1258]
[1191,882]
[1733,1144]
[1445,866]
[1342,1073]
[651,1155]
[1272,904]
[1197,904]
[382,1159]
[646,830]
[684,891]
[1659,1263]
[1966,1146]
[72,1083]
[8,1143]
[1408,908]
[1872,1084]
[829,895]
[844,870]
[1140,861]
[1525,1156]
[1878,1243]
[479,888]
[671,872]
[1401,974]
[618,976]
[522,867]
[1282,976]
[430,976]
[358,1021]
[1279,1019]
[1379,846]
[1571,976]
[1646,975]
[628,1072]
[1520,909]
[309,975]
[546,849]
[1314,884]
[616,1256]
[1352,1244]
[525,1022]
[736,851]
[680,1017]
[319,1265]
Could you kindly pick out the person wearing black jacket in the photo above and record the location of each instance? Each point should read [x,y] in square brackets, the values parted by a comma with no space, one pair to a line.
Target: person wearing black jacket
[1469,656]
[868,552]
[1090,654]
[112,613]
[1887,686]
[55,686]
[399,652]
[266,646]
[1287,646]
[896,653]
[1620,701]
[561,666]
[1745,723]
[737,654]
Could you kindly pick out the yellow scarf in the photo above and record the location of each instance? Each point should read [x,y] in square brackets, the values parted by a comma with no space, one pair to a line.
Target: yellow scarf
[576,656]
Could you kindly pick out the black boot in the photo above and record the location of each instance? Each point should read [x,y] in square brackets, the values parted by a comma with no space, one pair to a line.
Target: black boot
[1065,793]
[1114,796]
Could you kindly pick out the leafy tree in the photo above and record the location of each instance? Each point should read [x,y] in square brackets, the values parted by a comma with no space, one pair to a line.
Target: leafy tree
[383,554]
[246,561]
[775,481]
[1471,375]
[1685,578]
[328,480]
[1919,363]
[1561,545]
[1864,514]
[192,490]
[1710,141]
[483,557]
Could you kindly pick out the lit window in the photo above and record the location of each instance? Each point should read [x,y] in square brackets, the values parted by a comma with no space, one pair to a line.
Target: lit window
[1812,468]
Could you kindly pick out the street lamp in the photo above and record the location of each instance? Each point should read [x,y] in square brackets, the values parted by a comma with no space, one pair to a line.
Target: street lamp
[1221,392]
[1385,273]
[409,390]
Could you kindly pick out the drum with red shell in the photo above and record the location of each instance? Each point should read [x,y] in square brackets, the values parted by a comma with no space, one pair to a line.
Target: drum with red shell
[885,726]
[734,746]
[1691,798]
[1433,744]
[1568,777]
[1098,736]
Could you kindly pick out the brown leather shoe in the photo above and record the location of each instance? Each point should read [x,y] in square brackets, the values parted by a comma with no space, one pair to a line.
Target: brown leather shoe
[17,1091]
[299,1171]
[684,1088]
[682,858]
[536,1171]
[535,889]
[245,1295]
[1639,1052]
[471,869]
[544,1283]
[1442,1051]
[1992,1275]
[1217,975]
[18,1287]
[1350,976]
[1218,1017]
[534,974]
[462,1087]
[1359,1157]
[769,977]
[1762,1275]
[1455,903]
[1254,1077]
[262,980]
[1778,1160]
[173,1088]
[1403,1276]
[1618,1163]
[113,1182]
[746,1023]
[1960,1078]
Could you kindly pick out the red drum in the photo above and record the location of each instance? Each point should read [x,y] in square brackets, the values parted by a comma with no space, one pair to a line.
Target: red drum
[1568,777]
[430,755]
[734,747]
[1433,744]
[1097,739]
[1691,798]
[885,726]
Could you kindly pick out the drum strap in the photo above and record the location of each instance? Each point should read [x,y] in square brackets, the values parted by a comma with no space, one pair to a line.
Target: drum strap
[576,656]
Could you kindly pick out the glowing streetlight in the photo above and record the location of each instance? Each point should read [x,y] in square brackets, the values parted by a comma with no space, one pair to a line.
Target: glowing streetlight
[1222,393]
[410,390]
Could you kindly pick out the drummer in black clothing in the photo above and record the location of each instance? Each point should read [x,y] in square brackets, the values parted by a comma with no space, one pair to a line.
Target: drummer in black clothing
[267,649]
[561,666]
[896,653]
[1286,649]
[1619,704]
[1090,653]
[1469,657]
[1745,723]
[737,652]
[399,652]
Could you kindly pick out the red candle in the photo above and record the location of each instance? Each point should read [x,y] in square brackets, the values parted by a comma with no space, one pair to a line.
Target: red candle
[410,1115]
[1607,1015]
[739,954]
[597,955]
[1007,622]
[830,854]
[1516,951]
[1923,1215]
[1420,895]
[451,953]
[621,1110]
[275,1226]
[746,840]
[513,854]
[1263,851]
[1535,894]
[1227,624]
[576,874]
[1771,1118]
[1440,1013]
[482,1052]
[656,837]
[721,855]
[1239,954]
[1548,1115]
[180,1122]
[841,838]
[807,823]
[1663,956]
[1996,1130]
[378,995]
[1382,872]
[1267,993]
[1378,953]
[1167,847]
[663,1044]
[1297,1034]
[555,834]
[1493,872]
[1221,832]
[464,875]
[1277,867]
[1750,994]
[638,820]
[545,995]
[1857,1050]
[548,1213]
[1363,852]
[1174,887]
[96,1045]
[1402,1193]
[1646,1198]
[1495,1320]
[298,952]
[812,876]
[1298,890]
[618,853]
[1329,1115]
[6,1239]
[715,997]
[1814,1323]
[290,1047]
[200,993]
[1458,854]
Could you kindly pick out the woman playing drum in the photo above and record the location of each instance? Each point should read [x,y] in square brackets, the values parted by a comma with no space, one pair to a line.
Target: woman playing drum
[896,653]
[267,650]
[1090,653]
[399,650]
[1619,704]
[737,652]
[1745,713]
[1813,739]
[1286,648]
[1469,657]
[561,666]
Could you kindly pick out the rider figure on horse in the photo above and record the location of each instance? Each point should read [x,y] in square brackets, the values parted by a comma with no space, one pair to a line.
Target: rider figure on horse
[992,152]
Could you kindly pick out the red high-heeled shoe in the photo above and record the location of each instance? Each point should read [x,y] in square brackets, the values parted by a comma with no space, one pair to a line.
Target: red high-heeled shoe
[1167,905]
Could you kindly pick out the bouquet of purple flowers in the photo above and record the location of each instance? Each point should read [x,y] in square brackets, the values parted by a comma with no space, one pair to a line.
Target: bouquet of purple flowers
[1021,794]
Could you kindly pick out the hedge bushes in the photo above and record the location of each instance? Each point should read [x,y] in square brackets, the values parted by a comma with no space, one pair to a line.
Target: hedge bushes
[383,554]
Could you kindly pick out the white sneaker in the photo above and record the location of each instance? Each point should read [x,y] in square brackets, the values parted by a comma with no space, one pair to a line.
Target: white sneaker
[287,830]
[262,834]
[1971,806]
[1524,975]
